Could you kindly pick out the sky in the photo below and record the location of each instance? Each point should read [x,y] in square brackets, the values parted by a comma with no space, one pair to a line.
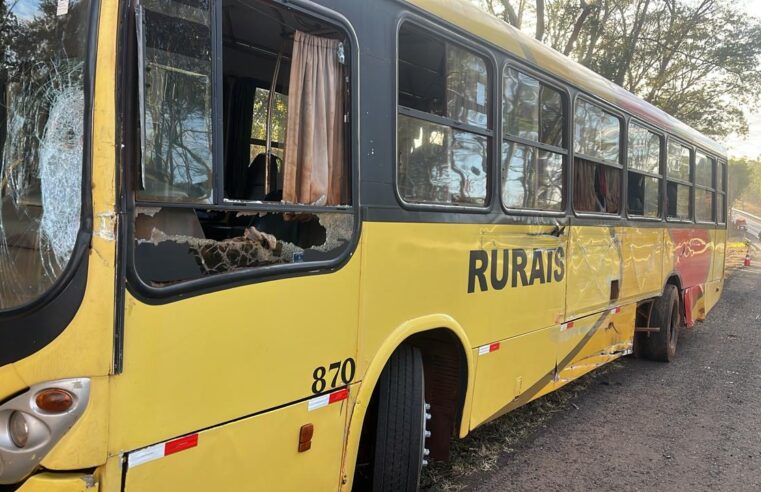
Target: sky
[749,146]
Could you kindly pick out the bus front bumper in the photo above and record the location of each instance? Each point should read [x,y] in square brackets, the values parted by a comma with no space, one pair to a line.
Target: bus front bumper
[60,482]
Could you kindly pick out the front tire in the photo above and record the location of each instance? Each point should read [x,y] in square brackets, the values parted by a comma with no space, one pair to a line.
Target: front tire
[661,345]
[400,430]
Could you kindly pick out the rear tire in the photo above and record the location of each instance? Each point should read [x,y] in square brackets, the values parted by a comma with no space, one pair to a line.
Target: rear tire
[661,345]
[400,431]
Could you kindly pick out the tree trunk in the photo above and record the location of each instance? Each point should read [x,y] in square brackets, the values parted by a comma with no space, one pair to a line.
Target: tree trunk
[540,20]
[631,44]
[512,17]
[586,9]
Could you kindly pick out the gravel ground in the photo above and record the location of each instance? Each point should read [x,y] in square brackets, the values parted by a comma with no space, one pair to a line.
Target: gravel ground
[694,424]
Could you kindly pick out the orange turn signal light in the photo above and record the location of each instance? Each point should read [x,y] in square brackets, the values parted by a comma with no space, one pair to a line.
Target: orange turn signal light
[54,400]
[305,437]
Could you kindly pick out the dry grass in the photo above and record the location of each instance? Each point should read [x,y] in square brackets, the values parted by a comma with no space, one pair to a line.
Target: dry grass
[483,448]
[735,256]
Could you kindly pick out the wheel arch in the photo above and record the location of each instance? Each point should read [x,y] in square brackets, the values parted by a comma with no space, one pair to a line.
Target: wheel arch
[675,279]
[416,331]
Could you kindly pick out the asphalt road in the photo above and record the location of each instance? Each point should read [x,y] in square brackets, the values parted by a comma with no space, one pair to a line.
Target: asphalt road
[694,424]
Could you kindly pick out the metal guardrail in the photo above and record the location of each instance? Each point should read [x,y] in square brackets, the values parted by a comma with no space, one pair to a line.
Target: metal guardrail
[742,212]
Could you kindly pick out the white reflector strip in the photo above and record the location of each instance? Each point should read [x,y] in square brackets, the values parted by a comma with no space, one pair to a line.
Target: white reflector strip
[487,349]
[319,402]
[146,455]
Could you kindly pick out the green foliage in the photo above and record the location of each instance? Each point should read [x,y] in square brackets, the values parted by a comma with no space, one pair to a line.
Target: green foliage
[744,183]
[695,59]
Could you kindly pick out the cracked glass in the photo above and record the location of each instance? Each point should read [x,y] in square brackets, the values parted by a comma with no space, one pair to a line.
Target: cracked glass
[42,115]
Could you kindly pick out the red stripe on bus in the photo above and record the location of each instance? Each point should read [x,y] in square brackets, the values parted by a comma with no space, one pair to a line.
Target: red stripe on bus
[338,395]
[181,444]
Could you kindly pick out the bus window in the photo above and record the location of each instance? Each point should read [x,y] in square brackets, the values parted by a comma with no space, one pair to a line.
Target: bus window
[704,192]
[678,186]
[285,198]
[443,124]
[532,176]
[175,53]
[722,193]
[597,163]
[285,108]
[644,172]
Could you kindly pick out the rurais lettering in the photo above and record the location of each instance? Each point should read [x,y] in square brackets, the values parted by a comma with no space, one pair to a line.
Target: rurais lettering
[500,268]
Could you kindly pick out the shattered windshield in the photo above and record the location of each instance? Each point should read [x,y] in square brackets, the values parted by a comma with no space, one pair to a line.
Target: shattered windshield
[42,56]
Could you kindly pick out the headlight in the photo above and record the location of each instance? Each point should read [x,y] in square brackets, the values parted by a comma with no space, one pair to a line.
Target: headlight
[34,421]
[18,429]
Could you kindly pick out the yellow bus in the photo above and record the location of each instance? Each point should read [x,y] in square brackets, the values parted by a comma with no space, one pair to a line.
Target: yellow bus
[301,245]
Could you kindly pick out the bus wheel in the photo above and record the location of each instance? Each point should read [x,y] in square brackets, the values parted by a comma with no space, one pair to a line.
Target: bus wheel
[401,426]
[661,345]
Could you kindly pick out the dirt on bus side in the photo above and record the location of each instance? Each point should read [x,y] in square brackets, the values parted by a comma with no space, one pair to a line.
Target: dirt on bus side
[692,424]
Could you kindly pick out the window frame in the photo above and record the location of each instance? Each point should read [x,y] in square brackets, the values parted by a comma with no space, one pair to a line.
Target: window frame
[566,152]
[721,194]
[621,116]
[689,183]
[663,155]
[714,164]
[490,133]
[219,202]
[148,293]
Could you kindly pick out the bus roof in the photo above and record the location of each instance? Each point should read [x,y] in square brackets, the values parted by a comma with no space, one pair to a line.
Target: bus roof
[493,30]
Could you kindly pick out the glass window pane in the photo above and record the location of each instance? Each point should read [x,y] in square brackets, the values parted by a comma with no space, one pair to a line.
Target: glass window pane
[703,170]
[597,132]
[440,165]
[42,93]
[533,178]
[678,201]
[176,101]
[531,110]
[722,205]
[644,149]
[596,187]
[467,87]
[644,195]
[704,206]
[520,107]
[551,117]
[678,161]
[720,176]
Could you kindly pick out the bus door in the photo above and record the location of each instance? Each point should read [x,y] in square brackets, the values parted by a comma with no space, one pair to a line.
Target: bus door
[527,276]
[241,321]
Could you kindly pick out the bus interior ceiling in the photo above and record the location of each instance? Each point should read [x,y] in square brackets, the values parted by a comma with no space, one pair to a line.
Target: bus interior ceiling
[177,244]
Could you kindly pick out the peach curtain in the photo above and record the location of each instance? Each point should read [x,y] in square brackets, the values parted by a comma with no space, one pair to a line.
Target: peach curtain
[315,164]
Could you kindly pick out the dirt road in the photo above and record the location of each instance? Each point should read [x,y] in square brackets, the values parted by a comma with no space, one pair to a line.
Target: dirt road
[694,424]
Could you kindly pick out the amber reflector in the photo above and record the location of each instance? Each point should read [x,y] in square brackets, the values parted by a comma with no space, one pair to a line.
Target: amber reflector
[54,400]
[305,437]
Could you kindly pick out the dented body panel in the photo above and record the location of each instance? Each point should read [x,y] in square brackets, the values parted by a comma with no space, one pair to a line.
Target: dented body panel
[216,381]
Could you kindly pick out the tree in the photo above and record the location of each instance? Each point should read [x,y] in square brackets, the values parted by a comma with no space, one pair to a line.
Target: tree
[695,59]
[744,183]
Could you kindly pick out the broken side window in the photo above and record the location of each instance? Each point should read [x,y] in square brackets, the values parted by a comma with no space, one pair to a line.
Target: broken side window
[286,196]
